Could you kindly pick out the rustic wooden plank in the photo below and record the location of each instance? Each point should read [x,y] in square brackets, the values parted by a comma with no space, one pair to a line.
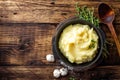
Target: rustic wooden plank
[29,73]
[100,73]
[45,73]
[25,43]
[29,43]
[46,11]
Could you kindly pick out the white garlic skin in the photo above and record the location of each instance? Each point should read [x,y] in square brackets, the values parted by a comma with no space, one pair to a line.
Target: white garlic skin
[56,73]
[50,58]
[64,71]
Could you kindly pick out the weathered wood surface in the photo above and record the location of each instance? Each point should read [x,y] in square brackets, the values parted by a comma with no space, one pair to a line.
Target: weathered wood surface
[26,30]
[46,11]
[42,73]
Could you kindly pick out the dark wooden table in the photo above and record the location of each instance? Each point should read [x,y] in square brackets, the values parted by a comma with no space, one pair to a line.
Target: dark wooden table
[26,30]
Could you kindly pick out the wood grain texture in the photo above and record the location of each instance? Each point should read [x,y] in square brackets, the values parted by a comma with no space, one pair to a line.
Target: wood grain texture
[45,11]
[45,73]
[21,43]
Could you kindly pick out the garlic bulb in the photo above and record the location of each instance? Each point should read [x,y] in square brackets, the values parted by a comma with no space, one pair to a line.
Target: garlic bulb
[56,73]
[50,58]
[64,71]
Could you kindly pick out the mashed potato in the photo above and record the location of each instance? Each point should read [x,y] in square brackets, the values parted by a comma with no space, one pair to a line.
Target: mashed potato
[78,43]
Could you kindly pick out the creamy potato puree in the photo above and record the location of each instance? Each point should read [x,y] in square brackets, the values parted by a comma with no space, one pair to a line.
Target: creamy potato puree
[78,43]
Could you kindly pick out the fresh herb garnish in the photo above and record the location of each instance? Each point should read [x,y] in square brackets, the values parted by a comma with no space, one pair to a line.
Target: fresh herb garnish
[92,45]
[72,78]
[87,14]
[105,51]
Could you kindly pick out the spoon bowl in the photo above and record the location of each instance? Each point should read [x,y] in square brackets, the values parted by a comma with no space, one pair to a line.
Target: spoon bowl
[106,14]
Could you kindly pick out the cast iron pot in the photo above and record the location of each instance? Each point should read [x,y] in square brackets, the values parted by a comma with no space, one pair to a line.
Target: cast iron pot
[64,61]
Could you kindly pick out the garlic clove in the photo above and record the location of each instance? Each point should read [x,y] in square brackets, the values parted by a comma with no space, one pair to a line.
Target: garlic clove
[56,73]
[64,71]
[50,58]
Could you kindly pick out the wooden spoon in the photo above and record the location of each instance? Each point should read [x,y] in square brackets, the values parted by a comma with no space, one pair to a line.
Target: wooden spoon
[107,15]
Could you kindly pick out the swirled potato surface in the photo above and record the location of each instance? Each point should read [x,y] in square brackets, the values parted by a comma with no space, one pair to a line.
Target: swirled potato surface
[78,43]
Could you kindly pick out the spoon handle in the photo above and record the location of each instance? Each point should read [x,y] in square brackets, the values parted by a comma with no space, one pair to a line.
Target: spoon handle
[112,30]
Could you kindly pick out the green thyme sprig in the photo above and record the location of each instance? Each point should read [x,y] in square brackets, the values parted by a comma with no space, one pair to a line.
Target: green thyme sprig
[105,51]
[72,78]
[92,45]
[87,14]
